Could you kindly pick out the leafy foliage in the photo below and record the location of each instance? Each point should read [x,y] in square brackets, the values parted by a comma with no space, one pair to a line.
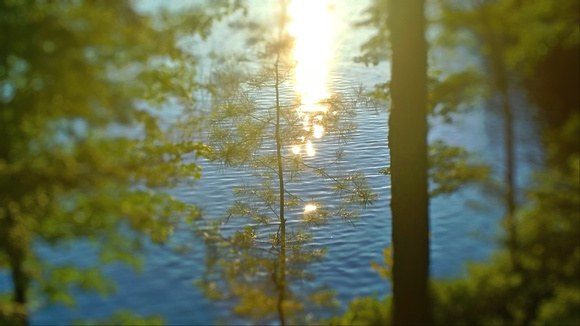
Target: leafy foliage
[376,48]
[365,311]
[255,121]
[85,153]
[451,169]
[544,288]
[125,317]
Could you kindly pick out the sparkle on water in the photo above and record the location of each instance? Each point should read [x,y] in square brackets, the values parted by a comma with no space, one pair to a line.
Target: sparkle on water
[309,208]
[311,26]
[318,131]
[296,149]
[310,148]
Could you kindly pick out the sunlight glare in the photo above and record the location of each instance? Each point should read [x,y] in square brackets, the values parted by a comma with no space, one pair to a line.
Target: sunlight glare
[309,208]
[312,107]
[310,149]
[296,149]
[311,26]
[318,131]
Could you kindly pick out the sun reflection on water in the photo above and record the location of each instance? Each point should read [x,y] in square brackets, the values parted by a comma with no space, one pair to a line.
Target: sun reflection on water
[311,26]
[318,131]
[296,149]
[309,208]
[310,148]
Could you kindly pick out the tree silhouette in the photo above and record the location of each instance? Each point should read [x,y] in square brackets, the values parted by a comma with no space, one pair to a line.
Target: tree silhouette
[409,166]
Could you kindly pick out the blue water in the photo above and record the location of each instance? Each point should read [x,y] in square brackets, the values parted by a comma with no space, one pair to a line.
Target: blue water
[464,225]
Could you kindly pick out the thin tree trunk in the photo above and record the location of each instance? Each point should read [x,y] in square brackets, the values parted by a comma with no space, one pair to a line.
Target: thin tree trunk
[282,238]
[408,150]
[509,178]
[19,285]
[501,82]
[16,252]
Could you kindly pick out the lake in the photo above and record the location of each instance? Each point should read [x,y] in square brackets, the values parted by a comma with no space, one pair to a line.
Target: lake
[464,225]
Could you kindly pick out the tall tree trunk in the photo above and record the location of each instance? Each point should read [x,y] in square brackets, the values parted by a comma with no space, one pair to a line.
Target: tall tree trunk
[408,150]
[20,286]
[17,257]
[16,246]
[509,177]
[282,237]
[281,277]
[500,77]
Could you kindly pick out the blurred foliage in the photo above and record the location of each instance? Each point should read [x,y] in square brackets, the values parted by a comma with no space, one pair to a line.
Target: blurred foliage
[540,52]
[84,153]
[385,268]
[449,94]
[539,48]
[376,48]
[124,317]
[452,168]
[453,93]
[545,289]
[365,311]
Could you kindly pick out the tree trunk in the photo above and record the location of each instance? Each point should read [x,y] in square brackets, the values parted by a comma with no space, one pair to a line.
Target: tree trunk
[16,246]
[19,285]
[509,177]
[282,235]
[492,37]
[408,150]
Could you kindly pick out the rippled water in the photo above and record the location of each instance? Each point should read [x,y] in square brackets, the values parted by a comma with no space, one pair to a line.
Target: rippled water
[463,225]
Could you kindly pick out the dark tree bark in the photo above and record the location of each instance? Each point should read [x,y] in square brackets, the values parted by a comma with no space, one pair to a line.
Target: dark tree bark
[509,178]
[408,149]
[16,248]
[20,288]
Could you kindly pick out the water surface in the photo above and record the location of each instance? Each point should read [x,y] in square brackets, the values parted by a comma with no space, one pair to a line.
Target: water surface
[463,225]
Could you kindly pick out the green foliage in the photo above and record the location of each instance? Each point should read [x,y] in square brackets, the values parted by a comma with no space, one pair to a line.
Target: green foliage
[385,269]
[451,168]
[544,289]
[261,263]
[535,44]
[561,309]
[539,27]
[376,48]
[56,282]
[85,153]
[448,95]
[10,313]
[124,317]
[365,311]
